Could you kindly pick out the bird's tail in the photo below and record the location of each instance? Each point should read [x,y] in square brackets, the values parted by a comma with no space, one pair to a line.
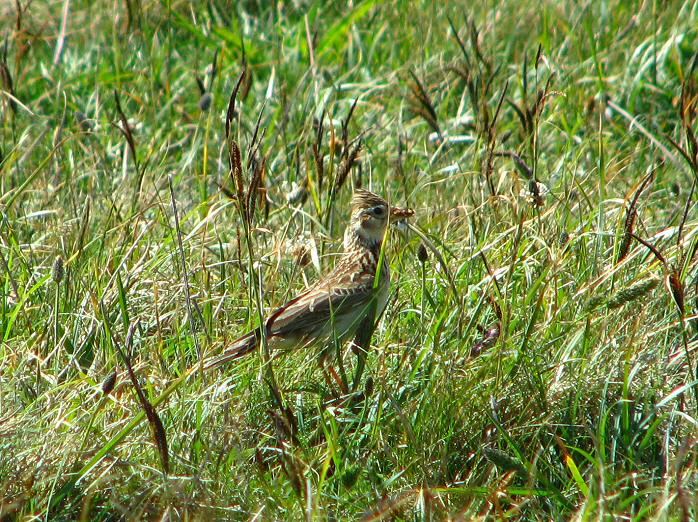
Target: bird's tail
[242,346]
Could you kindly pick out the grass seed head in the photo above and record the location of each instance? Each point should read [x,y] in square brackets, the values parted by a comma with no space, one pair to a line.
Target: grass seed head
[58,270]
[109,383]
[677,291]
[205,101]
[422,253]
[632,293]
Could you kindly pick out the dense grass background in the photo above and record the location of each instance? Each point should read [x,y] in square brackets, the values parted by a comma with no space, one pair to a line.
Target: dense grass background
[554,379]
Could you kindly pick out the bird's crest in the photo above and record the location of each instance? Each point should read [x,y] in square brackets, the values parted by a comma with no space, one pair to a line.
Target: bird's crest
[366,199]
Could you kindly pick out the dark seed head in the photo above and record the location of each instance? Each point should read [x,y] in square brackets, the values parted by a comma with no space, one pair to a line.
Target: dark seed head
[422,254]
[58,270]
[205,101]
[109,383]
[677,290]
[368,390]
[564,238]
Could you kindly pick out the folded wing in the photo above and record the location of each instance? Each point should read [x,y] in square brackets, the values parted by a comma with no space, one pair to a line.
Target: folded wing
[334,300]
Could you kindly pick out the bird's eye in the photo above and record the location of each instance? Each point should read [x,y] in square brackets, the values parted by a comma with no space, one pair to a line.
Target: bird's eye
[378,211]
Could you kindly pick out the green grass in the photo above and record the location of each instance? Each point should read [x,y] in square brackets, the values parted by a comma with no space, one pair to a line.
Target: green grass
[546,370]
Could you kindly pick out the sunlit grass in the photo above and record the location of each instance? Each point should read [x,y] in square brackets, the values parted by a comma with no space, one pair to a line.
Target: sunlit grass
[537,359]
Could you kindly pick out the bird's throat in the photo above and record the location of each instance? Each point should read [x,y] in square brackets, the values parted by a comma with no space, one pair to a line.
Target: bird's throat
[356,238]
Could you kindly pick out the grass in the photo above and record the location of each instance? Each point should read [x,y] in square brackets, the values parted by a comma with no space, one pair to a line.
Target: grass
[537,359]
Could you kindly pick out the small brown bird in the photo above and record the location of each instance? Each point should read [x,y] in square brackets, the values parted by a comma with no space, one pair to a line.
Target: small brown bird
[339,304]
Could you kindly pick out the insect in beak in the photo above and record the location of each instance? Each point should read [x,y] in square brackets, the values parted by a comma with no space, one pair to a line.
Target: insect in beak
[397,213]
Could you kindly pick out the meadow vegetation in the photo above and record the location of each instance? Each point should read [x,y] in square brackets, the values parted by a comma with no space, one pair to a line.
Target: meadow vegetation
[537,359]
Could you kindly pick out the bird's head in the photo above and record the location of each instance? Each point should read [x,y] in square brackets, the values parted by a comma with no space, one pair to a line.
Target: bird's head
[370,215]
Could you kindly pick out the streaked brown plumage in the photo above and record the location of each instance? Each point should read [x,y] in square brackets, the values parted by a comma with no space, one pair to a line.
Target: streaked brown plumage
[337,305]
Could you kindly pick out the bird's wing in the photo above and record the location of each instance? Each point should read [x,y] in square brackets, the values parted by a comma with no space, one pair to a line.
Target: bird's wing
[341,292]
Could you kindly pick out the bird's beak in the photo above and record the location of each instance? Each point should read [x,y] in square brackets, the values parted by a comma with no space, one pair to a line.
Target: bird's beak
[397,213]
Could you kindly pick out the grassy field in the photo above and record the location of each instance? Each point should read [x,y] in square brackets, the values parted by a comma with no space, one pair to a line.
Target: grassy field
[538,356]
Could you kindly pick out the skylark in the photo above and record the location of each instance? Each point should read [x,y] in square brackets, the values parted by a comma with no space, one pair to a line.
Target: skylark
[344,301]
